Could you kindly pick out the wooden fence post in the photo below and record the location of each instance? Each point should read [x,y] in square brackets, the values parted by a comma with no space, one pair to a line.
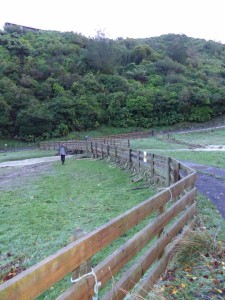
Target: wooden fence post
[102,151]
[92,151]
[85,267]
[168,171]
[107,150]
[86,146]
[152,164]
[96,150]
[161,210]
[176,171]
[139,152]
[130,157]
[115,153]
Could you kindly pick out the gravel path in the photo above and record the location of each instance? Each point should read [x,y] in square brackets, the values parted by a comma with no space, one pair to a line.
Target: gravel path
[210,183]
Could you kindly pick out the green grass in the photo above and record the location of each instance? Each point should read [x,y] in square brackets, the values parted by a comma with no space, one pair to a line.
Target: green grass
[39,215]
[180,152]
[212,137]
[11,144]
[153,144]
[25,154]
[210,158]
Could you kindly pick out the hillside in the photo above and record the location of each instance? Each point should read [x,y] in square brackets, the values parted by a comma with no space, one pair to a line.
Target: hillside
[52,83]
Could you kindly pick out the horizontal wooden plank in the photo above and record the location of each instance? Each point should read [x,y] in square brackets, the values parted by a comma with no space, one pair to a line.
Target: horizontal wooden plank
[183,184]
[159,157]
[43,275]
[134,274]
[146,284]
[144,164]
[110,266]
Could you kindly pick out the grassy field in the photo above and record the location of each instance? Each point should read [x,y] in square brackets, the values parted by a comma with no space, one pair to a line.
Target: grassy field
[153,144]
[39,212]
[212,137]
[181,152]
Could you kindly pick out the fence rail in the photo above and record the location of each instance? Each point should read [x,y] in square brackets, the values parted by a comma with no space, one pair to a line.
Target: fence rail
[81,145]
[175,208]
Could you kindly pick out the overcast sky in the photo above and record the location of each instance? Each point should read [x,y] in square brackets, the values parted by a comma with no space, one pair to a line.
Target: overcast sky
[120,18]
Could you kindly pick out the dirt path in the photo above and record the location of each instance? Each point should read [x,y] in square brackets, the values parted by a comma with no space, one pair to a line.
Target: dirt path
[210,183]
[18,173]
[31,161]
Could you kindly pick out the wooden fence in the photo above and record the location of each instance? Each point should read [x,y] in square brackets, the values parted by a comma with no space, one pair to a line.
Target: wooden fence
[175,208]
[81,145]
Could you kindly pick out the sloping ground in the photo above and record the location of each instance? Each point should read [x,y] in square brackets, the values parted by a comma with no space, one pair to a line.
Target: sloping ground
[211,183]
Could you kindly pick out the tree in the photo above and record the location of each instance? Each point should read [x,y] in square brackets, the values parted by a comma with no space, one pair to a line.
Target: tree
[102,54]
[4,117]
[62,109]
[140,53]
[35,120]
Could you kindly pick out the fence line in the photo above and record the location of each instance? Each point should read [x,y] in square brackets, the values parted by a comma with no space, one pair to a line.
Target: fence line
[176,212]
[81,145]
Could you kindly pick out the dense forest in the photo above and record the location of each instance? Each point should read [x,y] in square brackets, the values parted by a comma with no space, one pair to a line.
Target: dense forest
[52,83]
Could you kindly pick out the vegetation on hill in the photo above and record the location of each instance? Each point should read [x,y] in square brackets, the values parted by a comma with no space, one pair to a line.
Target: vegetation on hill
[52,83]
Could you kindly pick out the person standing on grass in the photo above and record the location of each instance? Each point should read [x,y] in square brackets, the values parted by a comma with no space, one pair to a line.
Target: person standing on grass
[62,153]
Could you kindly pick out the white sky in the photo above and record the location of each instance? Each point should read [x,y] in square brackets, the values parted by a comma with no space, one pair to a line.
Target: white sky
[120,18]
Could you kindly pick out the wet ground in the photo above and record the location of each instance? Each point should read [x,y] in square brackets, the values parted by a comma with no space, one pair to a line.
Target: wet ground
[211,183]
